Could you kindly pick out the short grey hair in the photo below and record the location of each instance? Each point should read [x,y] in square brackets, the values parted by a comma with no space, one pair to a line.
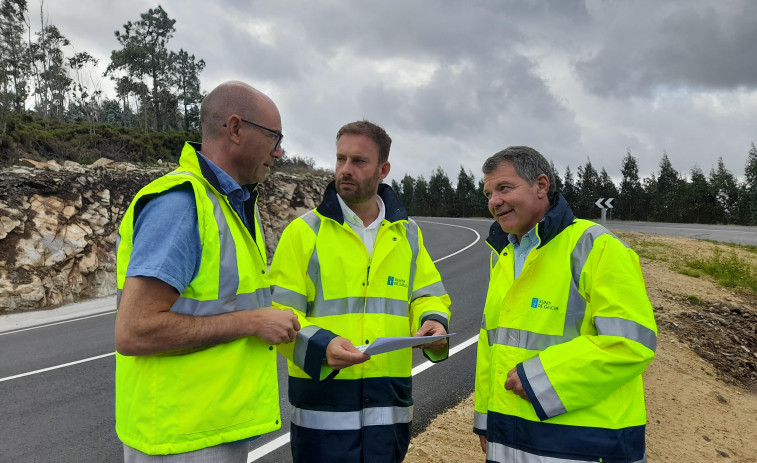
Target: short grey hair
[529,165]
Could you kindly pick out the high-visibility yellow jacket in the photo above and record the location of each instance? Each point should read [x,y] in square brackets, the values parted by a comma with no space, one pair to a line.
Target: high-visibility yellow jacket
[168,404]
[579,328]
[324,272]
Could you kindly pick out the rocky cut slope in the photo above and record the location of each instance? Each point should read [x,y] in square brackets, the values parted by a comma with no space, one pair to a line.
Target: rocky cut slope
[59,224]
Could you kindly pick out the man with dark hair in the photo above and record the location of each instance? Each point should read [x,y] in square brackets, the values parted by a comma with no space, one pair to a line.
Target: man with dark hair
[567,330]
[355,269]
[195,364]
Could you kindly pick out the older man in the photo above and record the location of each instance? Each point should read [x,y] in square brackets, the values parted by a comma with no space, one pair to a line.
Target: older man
[567,330]
[195,363]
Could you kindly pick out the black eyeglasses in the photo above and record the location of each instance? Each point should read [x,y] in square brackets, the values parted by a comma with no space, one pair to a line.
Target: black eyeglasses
[279,135]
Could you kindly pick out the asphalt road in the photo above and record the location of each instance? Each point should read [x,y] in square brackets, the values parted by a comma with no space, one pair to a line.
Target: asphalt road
[738,234]
[56,381]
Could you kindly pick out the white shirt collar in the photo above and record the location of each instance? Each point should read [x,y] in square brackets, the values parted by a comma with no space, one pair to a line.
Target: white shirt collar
[353,219]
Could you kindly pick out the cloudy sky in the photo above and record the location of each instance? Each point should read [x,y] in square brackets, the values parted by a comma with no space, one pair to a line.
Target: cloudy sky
[453,82]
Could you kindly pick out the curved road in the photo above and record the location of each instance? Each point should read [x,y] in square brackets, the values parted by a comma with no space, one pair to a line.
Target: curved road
[56,380]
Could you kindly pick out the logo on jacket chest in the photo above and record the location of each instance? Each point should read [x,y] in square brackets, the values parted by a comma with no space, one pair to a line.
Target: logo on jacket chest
[537,303]
[393,281]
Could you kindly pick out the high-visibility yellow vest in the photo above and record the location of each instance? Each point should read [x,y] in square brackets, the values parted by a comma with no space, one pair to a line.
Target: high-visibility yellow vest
[579,328]
[324,272]
[168,404]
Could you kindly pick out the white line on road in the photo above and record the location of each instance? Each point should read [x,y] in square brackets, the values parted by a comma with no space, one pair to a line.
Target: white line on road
[478,237]
[8,378]
[58,323]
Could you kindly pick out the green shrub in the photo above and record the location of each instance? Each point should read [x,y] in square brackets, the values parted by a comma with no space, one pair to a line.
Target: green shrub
[727,269]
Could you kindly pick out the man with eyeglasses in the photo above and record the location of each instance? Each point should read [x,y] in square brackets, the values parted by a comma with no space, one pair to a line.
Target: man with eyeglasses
[195,331]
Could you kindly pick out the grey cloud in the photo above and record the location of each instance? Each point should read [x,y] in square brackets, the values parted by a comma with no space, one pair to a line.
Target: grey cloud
[669,46]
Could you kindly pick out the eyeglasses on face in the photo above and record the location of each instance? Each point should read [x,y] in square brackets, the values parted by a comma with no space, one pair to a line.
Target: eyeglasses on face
[279,135]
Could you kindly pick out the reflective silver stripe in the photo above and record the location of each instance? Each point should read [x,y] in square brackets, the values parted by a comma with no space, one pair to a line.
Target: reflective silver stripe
[301,345]
[479,421]
[483,326]
[542,387]
[493,259]
[504,454]
[629,329]
[313,221]
[228,273]
[576,305]
[524,339]
[412,238]
[260,298]
[434,289]
[289,298]
[346,421]
[347,305]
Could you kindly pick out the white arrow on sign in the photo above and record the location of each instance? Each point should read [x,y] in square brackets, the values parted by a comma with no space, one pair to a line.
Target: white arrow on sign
[604,203]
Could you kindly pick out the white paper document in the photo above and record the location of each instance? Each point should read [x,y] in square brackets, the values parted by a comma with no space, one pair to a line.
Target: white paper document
[382,345]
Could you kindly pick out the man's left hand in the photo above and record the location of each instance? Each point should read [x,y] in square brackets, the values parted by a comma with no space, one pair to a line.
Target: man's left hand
[432,328]
[513,384]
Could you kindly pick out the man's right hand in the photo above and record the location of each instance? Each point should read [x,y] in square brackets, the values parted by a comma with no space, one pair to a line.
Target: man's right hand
[274,326]
[483,442]
[340,353]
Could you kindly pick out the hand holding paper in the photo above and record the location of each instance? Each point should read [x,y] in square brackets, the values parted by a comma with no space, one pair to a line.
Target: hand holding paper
[382,345]
[432,328]
[340,353]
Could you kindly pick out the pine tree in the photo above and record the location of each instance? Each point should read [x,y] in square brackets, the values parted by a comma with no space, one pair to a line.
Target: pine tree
[421,198]
[406,196]
[588,186]
[667,195]
[441,193]
[144,59]
[700,201]
[465,195]
[726,192]
[750,187]
[629,201]
[569,189]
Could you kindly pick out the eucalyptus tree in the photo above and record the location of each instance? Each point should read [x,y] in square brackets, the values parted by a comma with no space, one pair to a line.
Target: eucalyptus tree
[14,58]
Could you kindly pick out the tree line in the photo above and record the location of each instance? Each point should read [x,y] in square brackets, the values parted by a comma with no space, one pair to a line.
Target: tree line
[665,196]
[157,89]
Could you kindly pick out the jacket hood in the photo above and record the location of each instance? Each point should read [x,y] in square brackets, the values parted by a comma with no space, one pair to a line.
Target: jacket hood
[393,210]
[558,217]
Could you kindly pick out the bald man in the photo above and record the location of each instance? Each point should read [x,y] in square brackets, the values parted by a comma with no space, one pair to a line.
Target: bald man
[195,334]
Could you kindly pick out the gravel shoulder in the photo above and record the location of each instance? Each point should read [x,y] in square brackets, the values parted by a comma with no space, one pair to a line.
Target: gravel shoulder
[701,388]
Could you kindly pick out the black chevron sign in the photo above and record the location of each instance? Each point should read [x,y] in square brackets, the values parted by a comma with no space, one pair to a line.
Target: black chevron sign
[604,203]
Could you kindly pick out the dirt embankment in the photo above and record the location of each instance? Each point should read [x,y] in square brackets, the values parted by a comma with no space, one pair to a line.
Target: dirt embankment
[701,389]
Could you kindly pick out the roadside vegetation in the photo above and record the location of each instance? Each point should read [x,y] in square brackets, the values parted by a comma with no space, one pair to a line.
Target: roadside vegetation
[730,265]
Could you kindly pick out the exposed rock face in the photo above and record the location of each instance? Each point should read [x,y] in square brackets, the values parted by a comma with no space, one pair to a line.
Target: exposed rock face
[59,224]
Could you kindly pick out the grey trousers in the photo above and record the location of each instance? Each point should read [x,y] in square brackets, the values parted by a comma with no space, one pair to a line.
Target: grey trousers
[233,452]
